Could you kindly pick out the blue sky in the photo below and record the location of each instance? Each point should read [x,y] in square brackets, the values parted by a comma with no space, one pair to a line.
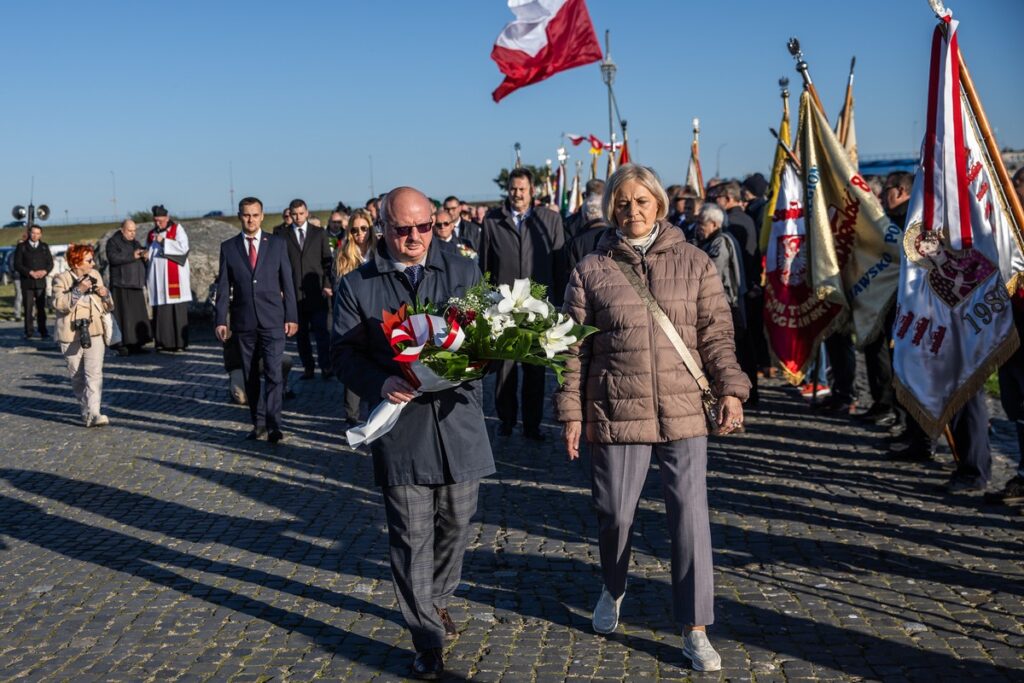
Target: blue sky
[297,96]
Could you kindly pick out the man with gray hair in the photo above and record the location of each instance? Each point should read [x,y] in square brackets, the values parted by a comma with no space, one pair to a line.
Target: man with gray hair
[574,223]
[430,464]
[127,258]
[591,232]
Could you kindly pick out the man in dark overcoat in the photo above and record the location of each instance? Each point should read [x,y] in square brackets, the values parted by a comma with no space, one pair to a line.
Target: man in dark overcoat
[430,464]
[520,240]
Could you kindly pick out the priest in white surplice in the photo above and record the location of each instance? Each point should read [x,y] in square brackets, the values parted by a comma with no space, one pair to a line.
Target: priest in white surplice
[170,288]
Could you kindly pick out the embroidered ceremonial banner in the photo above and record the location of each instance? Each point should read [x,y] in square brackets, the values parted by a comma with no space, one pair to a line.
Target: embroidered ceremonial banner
[775,183]
[954,321]
[854,247]
[795,320]
[694,177]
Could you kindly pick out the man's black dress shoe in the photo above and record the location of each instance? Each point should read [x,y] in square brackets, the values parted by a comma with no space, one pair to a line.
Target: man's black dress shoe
[428,665]
[534,435]
[256,434]
[275,436]
[505,430]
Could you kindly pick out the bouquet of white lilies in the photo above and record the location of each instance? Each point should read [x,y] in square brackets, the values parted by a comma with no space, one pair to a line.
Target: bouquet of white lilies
[440,346]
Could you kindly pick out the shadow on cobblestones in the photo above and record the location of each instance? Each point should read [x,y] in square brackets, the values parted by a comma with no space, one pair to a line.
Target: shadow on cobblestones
[165,547]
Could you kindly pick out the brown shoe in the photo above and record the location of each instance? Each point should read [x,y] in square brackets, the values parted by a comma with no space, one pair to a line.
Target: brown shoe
[450,631]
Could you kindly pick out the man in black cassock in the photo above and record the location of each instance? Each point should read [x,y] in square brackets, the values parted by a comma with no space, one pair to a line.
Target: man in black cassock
[127,258]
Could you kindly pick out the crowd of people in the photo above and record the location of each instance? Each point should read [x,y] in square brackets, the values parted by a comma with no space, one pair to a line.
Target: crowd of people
[658,271]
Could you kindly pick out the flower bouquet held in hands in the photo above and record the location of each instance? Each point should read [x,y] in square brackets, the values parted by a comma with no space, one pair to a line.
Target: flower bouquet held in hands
[439,346]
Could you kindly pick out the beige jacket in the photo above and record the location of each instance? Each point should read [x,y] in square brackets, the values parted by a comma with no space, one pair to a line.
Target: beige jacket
[627,383]
[90,307]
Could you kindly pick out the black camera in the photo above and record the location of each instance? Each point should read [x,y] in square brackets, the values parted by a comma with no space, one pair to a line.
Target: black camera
[81,328]
[92,284]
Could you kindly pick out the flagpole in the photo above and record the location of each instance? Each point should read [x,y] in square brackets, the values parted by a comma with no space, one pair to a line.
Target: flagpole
[801,66]
[695,155]
[786,148]
[844,132]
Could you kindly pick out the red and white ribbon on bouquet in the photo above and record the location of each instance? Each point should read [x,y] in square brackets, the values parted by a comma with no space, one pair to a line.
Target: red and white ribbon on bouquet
[421,329]
[417,331]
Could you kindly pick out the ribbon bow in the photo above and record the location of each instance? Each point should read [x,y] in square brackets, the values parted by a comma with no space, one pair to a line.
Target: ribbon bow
[420,329]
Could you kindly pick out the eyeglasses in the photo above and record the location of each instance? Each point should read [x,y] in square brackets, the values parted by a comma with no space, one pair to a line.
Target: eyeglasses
[359,228]
[406,230]
[88,260]
[443,224]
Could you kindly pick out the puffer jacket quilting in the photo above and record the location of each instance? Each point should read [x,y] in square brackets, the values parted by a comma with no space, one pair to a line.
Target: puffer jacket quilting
[636,387]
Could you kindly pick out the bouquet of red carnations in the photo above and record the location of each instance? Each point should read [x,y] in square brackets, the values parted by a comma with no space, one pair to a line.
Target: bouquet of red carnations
[439,346]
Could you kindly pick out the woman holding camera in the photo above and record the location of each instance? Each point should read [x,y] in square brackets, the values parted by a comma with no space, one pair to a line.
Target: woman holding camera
[80,300]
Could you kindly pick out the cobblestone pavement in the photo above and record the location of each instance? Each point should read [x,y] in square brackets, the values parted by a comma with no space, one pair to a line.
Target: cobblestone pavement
[164,547]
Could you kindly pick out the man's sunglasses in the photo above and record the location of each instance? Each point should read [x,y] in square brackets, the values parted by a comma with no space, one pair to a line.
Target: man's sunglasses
[406,230]
[443,224]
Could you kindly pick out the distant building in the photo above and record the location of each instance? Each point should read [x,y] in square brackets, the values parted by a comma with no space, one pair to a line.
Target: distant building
[1012,159]
[882,164]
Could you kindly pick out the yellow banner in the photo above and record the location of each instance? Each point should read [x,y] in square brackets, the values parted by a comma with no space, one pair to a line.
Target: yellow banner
[854,246]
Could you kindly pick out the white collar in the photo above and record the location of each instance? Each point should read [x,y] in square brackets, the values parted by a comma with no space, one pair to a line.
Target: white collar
[304,226]
[258,237]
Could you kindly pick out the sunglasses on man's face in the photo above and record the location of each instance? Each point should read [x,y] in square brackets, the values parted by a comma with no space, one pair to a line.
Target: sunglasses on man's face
[443,224]
[406,230]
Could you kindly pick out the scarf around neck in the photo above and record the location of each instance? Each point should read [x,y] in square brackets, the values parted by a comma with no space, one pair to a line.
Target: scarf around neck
[641,244]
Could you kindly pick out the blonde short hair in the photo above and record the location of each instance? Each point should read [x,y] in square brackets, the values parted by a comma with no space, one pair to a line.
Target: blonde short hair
[641,174]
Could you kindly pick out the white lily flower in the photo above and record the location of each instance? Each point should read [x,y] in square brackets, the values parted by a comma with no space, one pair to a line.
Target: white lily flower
[517,299]
[556,338]
[498,321]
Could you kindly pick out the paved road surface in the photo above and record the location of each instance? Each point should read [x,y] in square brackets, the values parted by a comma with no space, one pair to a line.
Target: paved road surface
[166,548]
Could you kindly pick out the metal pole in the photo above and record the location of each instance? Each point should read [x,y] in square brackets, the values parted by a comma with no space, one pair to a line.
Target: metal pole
[718,159]
[372,193]
[113,199]
[608,69]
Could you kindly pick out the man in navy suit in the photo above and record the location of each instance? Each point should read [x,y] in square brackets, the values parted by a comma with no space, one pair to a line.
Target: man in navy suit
[255,282]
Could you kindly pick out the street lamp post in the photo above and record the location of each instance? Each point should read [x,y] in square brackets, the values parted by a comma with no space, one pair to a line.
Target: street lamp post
[718,159]
[608,69]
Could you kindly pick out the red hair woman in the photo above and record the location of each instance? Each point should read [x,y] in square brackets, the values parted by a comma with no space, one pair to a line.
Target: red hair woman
[80,300]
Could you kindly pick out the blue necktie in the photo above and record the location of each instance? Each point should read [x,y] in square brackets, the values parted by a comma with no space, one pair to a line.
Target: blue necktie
[414,273]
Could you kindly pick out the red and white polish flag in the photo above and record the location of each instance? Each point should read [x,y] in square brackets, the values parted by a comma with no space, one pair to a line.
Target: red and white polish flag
[547,36]
[954,322]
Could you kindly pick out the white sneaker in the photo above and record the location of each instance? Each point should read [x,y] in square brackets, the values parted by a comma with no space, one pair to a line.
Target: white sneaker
[698,648]
[606,613]
[100,421]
